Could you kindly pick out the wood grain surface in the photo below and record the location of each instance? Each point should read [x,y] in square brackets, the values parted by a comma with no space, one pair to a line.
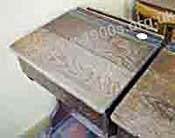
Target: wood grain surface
[149,109]
[95,71]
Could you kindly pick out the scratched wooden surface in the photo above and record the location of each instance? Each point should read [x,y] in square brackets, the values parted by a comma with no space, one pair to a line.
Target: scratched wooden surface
[95,73]
[149,109]
[86,32]
[168,4]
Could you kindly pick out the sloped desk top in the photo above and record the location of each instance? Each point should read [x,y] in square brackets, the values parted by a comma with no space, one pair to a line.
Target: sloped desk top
[96,70]
[149,109]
